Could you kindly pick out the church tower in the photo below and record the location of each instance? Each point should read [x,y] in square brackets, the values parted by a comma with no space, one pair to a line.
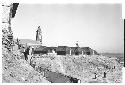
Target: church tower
[39,35]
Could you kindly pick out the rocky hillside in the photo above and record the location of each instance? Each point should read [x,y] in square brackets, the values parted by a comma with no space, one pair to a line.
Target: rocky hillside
[85,68]
[16,69]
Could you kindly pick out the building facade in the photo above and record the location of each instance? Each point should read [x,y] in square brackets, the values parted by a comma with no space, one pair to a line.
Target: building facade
[9,11]
[65,50]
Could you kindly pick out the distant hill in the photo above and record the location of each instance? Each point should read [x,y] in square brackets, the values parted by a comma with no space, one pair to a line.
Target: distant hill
[119,56]
[113,54]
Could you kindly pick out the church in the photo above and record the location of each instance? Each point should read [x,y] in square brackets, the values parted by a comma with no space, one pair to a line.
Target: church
[61,50]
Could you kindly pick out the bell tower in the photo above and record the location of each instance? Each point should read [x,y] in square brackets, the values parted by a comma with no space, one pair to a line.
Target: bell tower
[39,35]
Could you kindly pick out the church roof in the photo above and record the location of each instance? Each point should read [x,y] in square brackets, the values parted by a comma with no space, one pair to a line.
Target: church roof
[62,48]
[86,49]
[41,48]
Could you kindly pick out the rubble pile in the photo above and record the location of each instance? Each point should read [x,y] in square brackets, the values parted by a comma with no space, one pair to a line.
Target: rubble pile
[18,70]
[93,68]
[44,62]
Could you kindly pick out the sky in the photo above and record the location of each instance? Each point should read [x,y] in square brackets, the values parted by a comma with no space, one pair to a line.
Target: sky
[99,26]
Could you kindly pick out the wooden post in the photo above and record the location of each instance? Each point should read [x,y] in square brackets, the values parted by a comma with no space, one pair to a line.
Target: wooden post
[79,81]
[93,52]
[70,51]
[82,52]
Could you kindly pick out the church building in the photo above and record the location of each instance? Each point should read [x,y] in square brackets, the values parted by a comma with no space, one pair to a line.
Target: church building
[61,50]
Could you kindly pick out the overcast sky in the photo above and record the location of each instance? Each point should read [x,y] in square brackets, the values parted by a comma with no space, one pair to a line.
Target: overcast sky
[98,26]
